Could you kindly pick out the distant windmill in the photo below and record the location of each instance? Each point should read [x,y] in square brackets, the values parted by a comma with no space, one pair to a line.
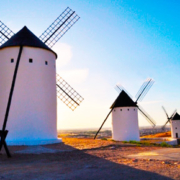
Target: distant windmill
[28,83]
[168,118]
[174,121]
[124,114]
[175,126]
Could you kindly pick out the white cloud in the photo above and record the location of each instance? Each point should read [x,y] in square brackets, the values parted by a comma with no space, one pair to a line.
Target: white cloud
[64,54]
[75,76]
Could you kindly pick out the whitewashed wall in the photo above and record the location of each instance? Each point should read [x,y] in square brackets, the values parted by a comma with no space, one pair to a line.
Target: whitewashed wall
[175,128]
[125,124]
[33,113]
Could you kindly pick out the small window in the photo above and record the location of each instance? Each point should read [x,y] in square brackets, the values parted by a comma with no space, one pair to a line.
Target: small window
[12,60]
[134,109]
[128,109]
[30,60]
[176,128]
[114,110]
[120,109]
[46,63]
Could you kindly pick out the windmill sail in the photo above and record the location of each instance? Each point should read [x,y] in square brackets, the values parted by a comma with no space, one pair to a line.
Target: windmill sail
[119,88]
[103,123]
[147,116]
[165,112]
[59,27]
[165,124]
[144,89]
[67,94]
[125,100]
[5,33]
[168,118]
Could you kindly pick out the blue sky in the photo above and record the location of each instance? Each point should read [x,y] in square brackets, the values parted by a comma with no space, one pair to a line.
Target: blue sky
[113,42]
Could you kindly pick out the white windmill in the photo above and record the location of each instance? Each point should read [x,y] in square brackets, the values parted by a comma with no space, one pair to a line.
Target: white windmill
[174,121]
[125,114]
[28,95]
[175,126]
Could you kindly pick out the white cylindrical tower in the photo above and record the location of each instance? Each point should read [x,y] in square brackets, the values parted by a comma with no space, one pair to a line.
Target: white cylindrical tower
[32,116]
[125,119]
[175,126]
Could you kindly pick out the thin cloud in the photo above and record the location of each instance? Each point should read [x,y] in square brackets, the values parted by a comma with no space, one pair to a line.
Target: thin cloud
[64,52]
[75,76]
[150,102]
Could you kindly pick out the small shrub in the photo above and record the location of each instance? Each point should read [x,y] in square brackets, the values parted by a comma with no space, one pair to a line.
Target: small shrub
[139,145]
[104,139]
[113,140]
[147,143]
[134,142]
[165,144]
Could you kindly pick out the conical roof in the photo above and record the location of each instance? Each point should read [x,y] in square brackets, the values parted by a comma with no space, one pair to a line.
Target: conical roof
[176,117]
[25,38]
[123,100]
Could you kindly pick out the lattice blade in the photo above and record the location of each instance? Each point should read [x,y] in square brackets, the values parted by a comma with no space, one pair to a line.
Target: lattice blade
[144,89]
[5,33]
[59,27]
[147,116]
[67,94]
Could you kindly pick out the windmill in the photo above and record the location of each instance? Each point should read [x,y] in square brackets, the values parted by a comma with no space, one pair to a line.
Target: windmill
[168,118]
[174,121]
[28,83]
[175,126]
[124,114]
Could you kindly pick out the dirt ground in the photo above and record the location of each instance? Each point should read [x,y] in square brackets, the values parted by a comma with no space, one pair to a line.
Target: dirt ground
[84,159]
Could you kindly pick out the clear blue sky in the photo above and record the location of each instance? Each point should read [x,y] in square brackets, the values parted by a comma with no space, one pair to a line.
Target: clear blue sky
[114,41]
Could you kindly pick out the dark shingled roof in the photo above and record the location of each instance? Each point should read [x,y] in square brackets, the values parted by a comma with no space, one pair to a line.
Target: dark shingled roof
[176,117]
[25,38]
[123,100]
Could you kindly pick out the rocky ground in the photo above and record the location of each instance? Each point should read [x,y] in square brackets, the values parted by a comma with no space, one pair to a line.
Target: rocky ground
[85,159]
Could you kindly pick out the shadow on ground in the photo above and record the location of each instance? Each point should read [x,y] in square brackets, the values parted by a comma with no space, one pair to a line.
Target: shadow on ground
[62,161]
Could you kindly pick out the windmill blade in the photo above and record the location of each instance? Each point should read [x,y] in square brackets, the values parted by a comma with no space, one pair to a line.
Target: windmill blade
[144,89]
[165,124]
[5,33]
[59,27]
[119,88]
[173,114]
[103,123]
[165,112]
[67,94]
[148,118]
[169,118]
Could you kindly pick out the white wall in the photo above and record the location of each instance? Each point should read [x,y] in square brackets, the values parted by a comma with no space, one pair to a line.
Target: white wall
[33,113]
[125,124]
[175,128]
